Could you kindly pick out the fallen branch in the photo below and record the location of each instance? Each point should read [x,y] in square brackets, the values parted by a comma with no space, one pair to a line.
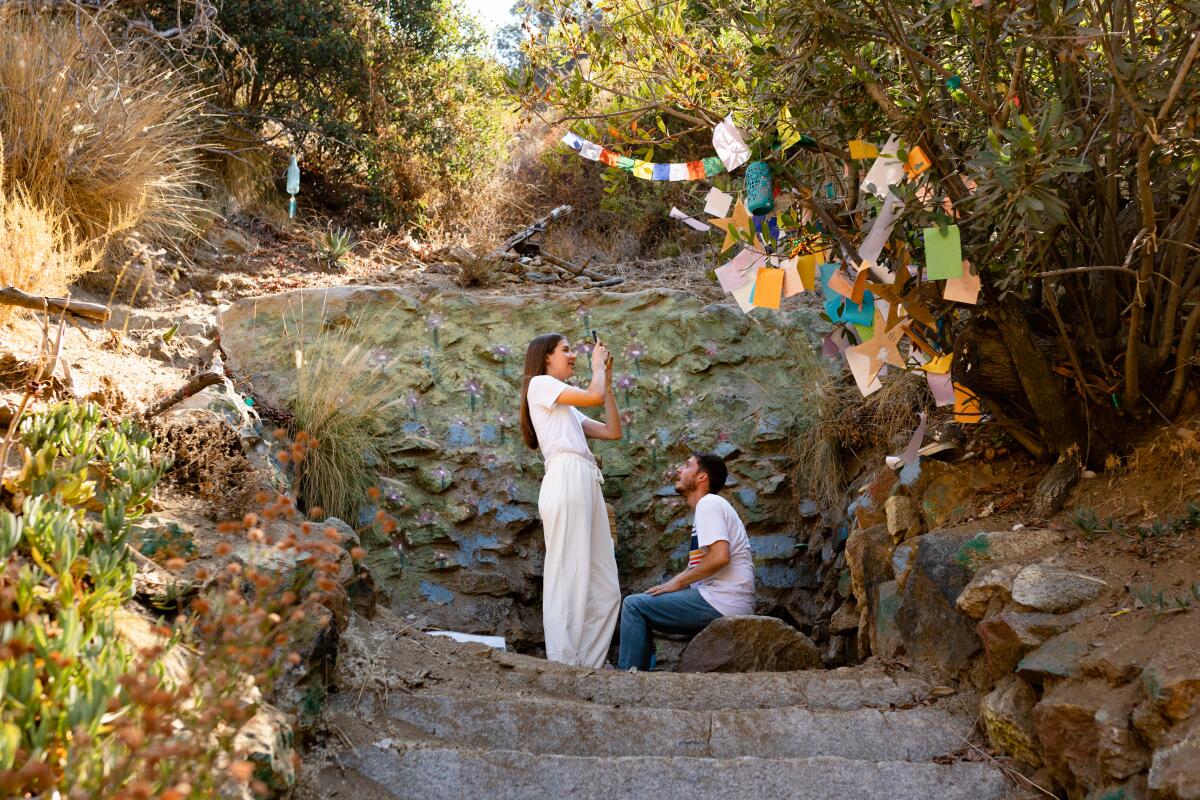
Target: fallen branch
[534,228]
[601,280]
[93,311]
[196,384]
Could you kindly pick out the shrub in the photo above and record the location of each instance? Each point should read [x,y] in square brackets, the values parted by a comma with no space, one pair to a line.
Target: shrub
[103,135]
[341,415]
[35,254]
[82,709]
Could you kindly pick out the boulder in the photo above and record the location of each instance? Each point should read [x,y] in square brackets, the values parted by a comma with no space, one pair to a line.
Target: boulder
[868,555]
[1008,636]
[1175,766]
[749,644]
[266,741]
[988,587]
[935,632]
[903,518]
[1086,737]
[1007,715]
[1046,588]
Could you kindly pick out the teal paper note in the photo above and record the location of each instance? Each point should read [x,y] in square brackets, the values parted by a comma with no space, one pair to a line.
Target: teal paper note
[943,254]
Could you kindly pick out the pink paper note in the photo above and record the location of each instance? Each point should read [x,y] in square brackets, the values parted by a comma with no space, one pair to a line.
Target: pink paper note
[942,387]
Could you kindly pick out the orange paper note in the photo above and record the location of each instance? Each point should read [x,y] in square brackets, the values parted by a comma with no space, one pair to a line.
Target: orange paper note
[768,288]
[839,283]
[964,289]
[860,285]
[967,408]
[917,162]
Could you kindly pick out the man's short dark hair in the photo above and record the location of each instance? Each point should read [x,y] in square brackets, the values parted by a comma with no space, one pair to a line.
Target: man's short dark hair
[714,467]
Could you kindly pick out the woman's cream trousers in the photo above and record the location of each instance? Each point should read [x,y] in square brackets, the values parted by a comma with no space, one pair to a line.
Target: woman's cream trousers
[580,596]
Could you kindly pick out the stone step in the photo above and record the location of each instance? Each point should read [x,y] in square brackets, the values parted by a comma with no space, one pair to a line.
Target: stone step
[815,689]
[584,729]
[448,774]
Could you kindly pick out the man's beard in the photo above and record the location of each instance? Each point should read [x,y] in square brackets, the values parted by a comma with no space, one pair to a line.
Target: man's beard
[683,486]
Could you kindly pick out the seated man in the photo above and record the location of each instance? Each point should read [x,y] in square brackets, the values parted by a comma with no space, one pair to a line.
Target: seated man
[718,580]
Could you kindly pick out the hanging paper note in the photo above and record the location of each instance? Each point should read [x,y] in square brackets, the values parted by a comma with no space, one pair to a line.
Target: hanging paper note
[792,282]
[917,162]
[909,454]
[643,170]
[768,288]
[860,365]
[678,172]
[717,203]
[293,185]
[590,151]
[691,222]
[860,150]
[943,253]
[963,289]
[788,135]
[966,405]
[738,222]
[730,146]
[742,296]
[806,267]
[939,365]
[878,236]
[839,308]
[941,385]
[860,286]
[740,270]
[885,172]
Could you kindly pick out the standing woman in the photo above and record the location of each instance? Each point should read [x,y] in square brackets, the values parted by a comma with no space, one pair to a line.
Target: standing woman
[580,596]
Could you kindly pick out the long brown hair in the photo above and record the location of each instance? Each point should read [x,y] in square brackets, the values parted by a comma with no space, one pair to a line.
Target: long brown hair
[535,364]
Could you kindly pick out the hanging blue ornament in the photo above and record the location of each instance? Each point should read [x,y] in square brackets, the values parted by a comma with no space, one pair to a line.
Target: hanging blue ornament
[953,82]
[293,185]
[760,199]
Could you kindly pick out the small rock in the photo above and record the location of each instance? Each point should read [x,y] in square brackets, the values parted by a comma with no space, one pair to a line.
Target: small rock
[903,518]
[727,450]
[809,509]
[1175,767]
[1047,588]
[986,587]
[1008,636]
[749,644]
[1007,715]
[845,618]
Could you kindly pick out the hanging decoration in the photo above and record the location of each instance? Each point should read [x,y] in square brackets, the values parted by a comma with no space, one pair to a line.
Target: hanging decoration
[293,185]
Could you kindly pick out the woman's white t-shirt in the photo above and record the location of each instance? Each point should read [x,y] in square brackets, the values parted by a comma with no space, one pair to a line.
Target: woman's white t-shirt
[731,589]
[559,426]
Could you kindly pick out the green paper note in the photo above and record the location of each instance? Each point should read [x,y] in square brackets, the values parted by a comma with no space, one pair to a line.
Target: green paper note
[713,166]
[943,253]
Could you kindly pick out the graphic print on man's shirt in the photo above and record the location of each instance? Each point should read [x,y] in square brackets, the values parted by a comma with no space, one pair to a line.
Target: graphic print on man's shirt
[695,554]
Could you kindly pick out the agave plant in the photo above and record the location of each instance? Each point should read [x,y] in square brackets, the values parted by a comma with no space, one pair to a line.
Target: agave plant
[334,244]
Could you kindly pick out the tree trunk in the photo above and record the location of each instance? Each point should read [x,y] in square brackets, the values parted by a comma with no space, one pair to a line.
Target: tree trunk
[1057,413]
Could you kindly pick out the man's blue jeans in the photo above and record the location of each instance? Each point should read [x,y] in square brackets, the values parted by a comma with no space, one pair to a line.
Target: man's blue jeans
[684,611]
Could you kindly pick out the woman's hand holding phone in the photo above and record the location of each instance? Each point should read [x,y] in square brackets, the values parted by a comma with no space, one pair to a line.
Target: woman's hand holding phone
[600,357]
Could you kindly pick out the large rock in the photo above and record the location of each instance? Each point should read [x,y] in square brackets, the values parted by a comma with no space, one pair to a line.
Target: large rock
[462,485]
[903,518]
[749,644]
[1007,716]
[1086,737]
[869,557]
[1175,766]
[1008,636]
[1045,588]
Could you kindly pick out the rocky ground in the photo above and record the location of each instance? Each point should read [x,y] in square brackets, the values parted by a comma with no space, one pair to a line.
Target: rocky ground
[1068,645]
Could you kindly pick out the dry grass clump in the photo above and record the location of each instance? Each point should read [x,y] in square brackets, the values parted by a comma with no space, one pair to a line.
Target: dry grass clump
[843,424]
[343,405]
[101,134]
[206,458]
[35,251]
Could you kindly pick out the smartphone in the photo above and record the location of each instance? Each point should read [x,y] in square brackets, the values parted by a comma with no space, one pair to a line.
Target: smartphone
[595,337]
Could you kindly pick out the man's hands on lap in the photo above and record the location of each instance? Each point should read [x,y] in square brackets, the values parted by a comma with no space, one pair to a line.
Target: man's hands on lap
[666,588]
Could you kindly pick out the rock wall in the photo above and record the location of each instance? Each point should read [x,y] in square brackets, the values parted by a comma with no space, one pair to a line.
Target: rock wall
[464,487]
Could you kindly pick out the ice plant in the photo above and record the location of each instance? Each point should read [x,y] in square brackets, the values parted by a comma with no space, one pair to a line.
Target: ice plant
[413,400]
[585,314]
[689,400]
[634,353]
[433,322]
[474,390]
[501,353]
[625,383]
[664,380]
[502,423]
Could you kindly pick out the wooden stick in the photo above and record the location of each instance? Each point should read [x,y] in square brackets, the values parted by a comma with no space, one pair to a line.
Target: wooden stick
[603,280]
[196,384]
[93,311]
[537,226]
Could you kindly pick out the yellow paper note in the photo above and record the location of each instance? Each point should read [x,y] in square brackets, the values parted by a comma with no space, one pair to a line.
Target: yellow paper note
[806,266]
[768,287]
[938,365]
[964,289]
[860,149]
[643,170]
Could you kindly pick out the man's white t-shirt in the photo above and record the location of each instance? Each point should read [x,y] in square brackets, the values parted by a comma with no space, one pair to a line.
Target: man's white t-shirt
[731,590]
[559,426]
